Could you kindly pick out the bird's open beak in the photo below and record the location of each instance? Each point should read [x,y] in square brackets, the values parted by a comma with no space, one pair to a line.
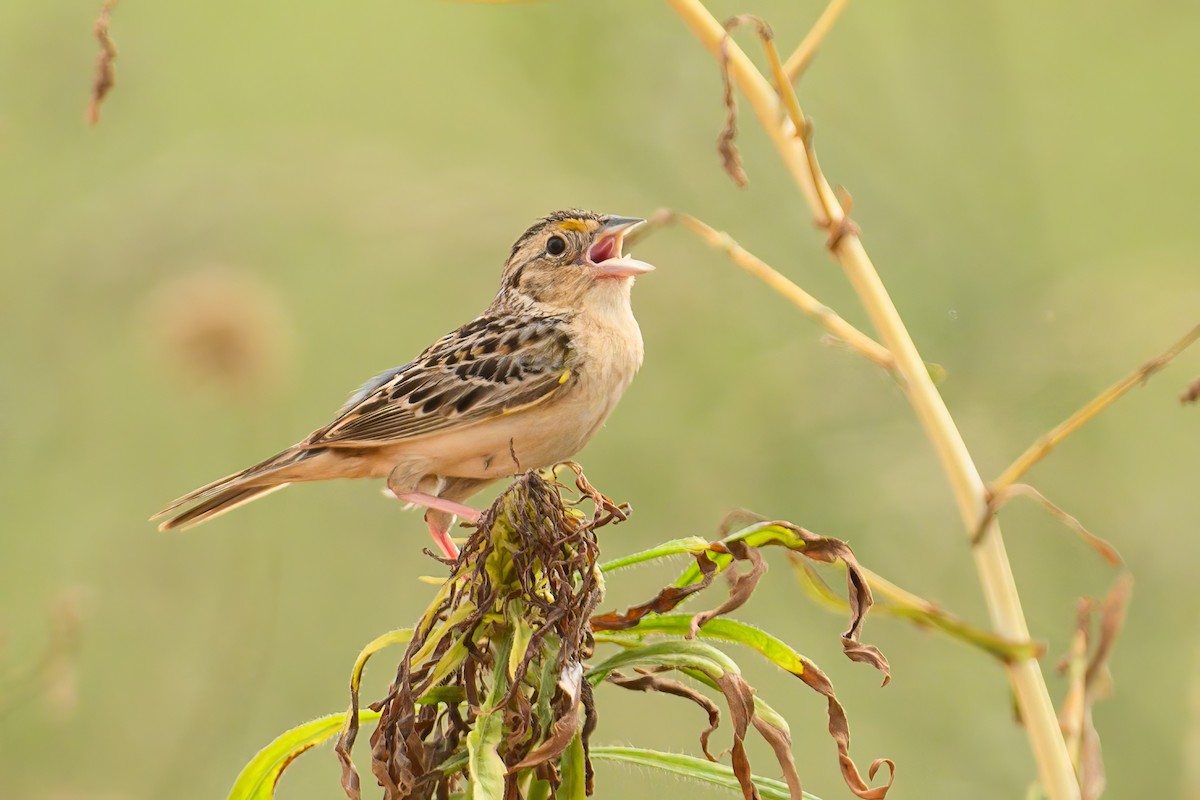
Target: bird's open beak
[605,254]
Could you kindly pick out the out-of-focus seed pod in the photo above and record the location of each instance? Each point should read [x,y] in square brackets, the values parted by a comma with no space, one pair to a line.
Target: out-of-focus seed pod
[222,329]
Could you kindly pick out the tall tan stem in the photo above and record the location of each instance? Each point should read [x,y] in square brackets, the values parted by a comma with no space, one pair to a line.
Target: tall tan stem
[1000,592]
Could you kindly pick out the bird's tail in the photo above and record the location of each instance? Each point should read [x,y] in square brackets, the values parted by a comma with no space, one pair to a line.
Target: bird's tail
[233,490]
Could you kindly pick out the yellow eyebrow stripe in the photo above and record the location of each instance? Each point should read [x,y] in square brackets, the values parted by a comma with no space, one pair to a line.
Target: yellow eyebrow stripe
[573,225]
[566,376]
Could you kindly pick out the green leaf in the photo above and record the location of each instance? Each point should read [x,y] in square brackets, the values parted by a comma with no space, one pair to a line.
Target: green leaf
[573,768]
[776,650]
[522,633]
[759,534]
[258,778]
[675,547]
[443,695]
[675,653]
[484,763]
[756,535]
[538,790]
[694,768]
[399,636]
[546,682]
[453,763]
[459,614]
[450,661]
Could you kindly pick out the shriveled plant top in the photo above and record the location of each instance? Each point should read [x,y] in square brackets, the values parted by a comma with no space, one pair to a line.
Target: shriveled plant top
[493,697]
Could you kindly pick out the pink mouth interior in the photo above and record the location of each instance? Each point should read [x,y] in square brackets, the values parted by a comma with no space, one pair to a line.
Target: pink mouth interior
[603,250]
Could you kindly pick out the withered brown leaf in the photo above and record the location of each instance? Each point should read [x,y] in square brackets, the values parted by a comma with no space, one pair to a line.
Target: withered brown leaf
[1191,394]
[740,586]
[105,74]
[664,601]
[651,682]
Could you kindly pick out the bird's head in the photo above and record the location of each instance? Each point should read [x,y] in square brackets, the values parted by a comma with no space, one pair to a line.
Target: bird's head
[570,258]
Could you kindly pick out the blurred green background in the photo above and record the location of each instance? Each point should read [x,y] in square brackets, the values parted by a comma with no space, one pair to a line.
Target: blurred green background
[283,199]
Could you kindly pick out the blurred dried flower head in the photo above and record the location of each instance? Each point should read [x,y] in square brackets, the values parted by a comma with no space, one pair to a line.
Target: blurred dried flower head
[221,328]
[60,674]
[51,669]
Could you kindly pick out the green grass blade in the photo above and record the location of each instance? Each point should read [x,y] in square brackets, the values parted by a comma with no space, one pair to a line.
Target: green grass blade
[675,547]
[697,769]
[674,653]
[258,778]
[729,630]
[484,763]
[756,535]
[398,636]
[574,772]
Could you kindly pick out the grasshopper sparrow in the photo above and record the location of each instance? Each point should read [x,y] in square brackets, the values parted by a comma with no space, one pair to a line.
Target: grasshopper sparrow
[522,386]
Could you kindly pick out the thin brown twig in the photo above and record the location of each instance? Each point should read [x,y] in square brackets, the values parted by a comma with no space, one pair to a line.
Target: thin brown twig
[799,60]
[1046,443]
[832,213]
[825,316]
[803,129]
[998,499]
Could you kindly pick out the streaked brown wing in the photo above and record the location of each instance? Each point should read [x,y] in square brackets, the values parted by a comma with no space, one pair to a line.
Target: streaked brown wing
[491,366]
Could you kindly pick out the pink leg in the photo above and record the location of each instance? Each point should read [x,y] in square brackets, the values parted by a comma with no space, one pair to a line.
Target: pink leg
[438,504]
[439,529]
[438,517]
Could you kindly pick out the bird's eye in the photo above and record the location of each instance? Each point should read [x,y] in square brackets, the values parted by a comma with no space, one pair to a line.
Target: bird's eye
[556,246]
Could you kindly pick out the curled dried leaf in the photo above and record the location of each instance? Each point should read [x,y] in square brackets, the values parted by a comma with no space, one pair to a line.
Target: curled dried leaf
[743,545]
[664,601]
[606,510]
[719,555]
[561,734]
[731,160]
[1191,394]
[105,74]
[1088,681]
[739,697]
[998,499]
[740,586]
[921,612]
[839,729]
[858,595]
[1112,620]
[651,682]
[781,744]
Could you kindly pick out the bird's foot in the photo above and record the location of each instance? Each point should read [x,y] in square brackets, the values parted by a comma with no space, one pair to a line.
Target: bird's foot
[439,516]
[441,537]
[435,503]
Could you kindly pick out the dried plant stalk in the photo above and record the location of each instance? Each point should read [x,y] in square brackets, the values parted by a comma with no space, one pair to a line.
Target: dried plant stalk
[799,60]
[825,316]
[1046,443]
[793,141]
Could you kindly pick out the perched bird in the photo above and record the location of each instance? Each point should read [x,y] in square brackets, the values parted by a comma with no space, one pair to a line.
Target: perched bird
[522,386]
